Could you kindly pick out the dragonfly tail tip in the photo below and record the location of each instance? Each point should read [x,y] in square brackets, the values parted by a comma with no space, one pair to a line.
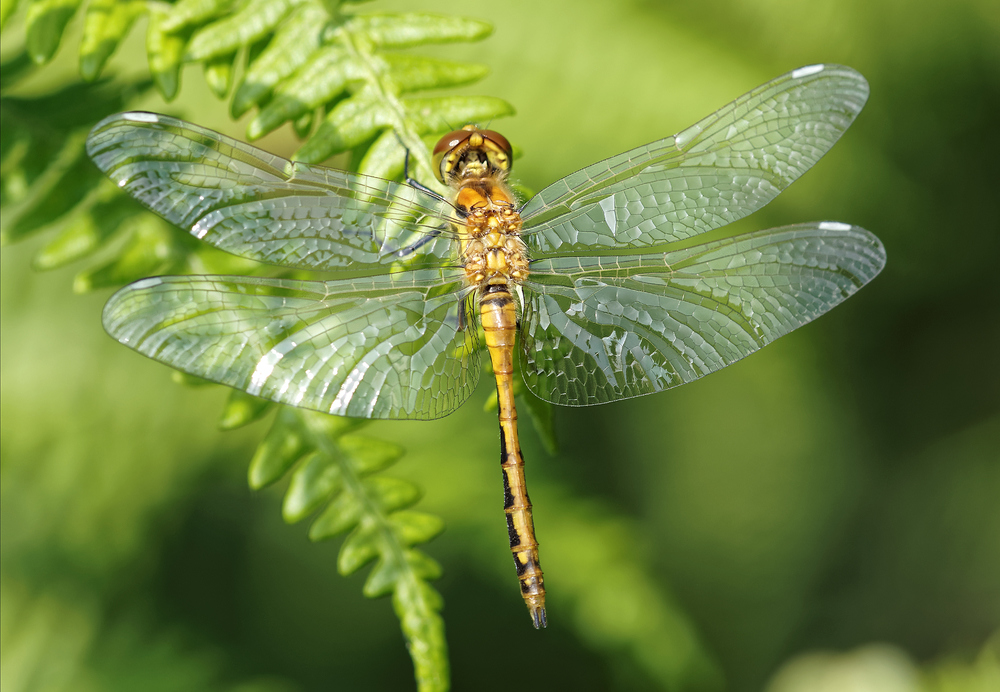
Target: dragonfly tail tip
[538,617]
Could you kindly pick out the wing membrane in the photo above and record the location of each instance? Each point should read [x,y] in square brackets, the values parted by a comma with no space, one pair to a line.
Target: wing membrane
[377,347]
[258,205]
[598,329]
[721,169]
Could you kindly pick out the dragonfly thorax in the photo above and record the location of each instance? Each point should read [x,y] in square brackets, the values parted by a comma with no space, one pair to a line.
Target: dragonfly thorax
[493,252]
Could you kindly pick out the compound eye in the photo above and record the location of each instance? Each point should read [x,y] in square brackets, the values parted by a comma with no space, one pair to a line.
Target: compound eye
[500,141]
[450,141]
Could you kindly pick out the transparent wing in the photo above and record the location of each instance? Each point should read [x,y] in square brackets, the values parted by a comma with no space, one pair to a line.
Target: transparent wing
[598,329]
[721,169]
[257,205]
[377,347]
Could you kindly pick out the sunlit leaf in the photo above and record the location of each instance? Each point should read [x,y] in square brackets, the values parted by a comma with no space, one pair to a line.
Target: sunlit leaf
[316,480]
[361,546]
[417,28]
[283,445]
[242,409]
[44,26]
[187,13]
[294,41]
[85,229]
[165,51]
[252,21]
[106,23]
[219,74]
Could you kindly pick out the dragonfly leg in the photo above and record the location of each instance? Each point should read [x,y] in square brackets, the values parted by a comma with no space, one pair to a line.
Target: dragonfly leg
[462,320]
[413,247]
[412,182]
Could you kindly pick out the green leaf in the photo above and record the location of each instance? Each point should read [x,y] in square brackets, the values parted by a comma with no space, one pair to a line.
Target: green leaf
[188,380]
[382,579]
[342,514]
[165,51]
[106,23]
[368,455]
[150,246]
[63,183]
[78,237]
[44,25]
[414,73]
[186,13]
[360,547]
[439,113]
[7,8]
[45,174]
[384,158]
[320,79]
[416,28]
[423,566]
[14,68]
[387,573]
[86,228]
[327,427]
[413,527]
[350,123]
[242,409]
[219,74]
[417,606]
[317,479]
[284,444]
[253,21]
[293,43]
[390,493]
[303,124]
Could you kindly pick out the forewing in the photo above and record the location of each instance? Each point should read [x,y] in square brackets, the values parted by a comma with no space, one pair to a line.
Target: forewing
[254,204]
[598,329]
[377,347]
[721,169]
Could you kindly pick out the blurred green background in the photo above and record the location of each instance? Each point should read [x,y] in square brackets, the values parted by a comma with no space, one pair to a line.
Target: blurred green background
[822,516]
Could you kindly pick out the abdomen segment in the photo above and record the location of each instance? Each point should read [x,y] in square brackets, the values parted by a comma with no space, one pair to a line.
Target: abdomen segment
[499,324]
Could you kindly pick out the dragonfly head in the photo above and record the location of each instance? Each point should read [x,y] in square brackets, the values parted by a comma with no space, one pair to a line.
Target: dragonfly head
[471,153]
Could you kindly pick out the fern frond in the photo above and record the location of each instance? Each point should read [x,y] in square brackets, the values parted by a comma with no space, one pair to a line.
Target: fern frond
[337,468]
[105,26]
[328,73]
[301,60]
[164,50]
[45,24]
[46,174]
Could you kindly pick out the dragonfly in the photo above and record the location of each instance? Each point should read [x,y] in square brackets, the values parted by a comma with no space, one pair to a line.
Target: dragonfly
[601,287]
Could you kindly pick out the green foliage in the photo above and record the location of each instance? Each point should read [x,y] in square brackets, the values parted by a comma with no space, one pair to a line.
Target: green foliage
[325,71]
[337,468]
[301,61]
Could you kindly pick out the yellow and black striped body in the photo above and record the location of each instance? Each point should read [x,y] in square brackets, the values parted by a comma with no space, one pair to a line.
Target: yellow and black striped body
[475,163]
[497,310]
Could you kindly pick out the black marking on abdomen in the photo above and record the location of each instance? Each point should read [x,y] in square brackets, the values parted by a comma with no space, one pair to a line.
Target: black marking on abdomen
[500,301]
[515,540]
[508,496]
